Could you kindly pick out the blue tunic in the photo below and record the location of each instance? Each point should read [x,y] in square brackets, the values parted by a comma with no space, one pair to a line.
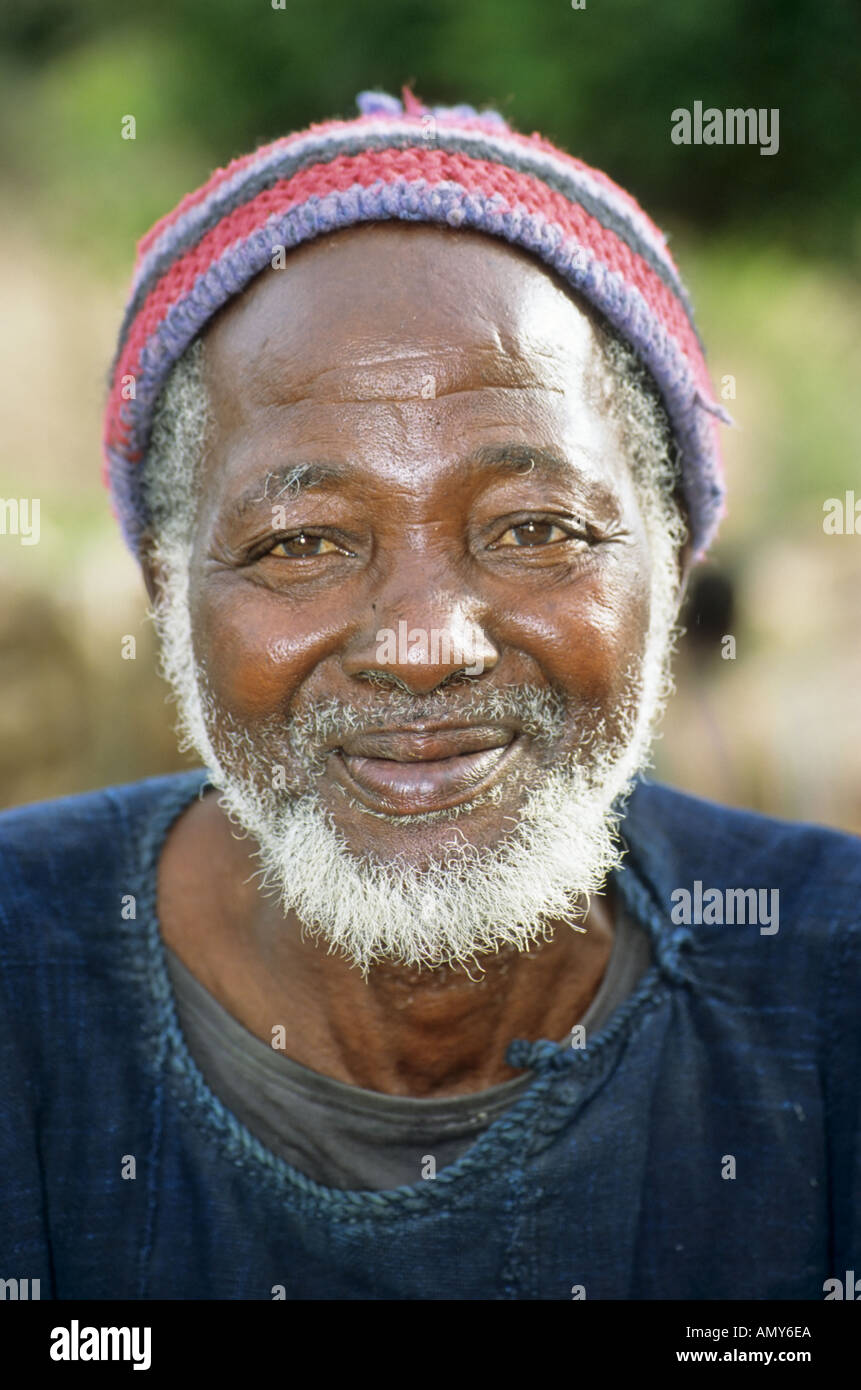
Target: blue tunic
[704,1145]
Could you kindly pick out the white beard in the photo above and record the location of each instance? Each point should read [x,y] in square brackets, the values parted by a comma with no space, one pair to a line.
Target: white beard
[467,901]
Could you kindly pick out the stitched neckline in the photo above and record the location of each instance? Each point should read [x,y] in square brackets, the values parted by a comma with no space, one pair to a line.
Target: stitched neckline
[550,1060]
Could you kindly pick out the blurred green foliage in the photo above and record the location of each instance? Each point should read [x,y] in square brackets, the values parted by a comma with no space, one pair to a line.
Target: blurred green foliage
[769,244]
[209,79]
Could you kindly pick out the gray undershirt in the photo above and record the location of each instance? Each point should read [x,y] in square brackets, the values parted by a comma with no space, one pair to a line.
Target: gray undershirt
[345,1136]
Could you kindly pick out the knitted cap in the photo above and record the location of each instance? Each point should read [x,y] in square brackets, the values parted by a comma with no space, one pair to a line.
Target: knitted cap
[448,165]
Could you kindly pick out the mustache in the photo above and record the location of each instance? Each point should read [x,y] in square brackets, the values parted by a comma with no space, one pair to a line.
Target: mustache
[284,756]
[540,712]
[309,732]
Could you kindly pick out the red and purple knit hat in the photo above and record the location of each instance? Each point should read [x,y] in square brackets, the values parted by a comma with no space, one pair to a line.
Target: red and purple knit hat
[449,165]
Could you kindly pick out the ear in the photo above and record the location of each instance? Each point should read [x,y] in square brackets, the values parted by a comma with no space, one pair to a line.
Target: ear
[152,571]
[686,564]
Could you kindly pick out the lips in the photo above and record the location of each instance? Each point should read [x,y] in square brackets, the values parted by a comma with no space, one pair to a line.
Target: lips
[409,771]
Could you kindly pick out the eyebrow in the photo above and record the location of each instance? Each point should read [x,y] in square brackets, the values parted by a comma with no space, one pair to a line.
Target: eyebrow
[296,479]
[292,479]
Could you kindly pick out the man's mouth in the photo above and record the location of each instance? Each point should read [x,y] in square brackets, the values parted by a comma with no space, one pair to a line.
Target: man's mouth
[408,771]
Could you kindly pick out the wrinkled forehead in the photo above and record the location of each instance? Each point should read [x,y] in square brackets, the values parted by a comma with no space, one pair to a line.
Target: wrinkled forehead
[394,310]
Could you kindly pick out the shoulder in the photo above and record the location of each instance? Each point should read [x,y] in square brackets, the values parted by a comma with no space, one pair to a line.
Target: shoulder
[75,824]
[675,837]
[60,859]
[764,911]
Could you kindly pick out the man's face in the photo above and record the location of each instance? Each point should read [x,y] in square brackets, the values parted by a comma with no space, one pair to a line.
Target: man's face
[420,583]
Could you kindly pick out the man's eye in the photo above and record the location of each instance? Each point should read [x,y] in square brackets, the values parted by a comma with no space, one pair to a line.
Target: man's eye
[533,533]
[303,546]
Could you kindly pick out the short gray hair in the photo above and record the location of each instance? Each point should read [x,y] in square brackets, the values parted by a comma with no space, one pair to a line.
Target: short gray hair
[170,479]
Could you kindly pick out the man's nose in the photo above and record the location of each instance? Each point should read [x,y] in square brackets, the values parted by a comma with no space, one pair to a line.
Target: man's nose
[422,643]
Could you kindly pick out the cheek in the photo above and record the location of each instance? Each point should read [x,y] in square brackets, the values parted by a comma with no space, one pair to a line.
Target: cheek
[256,651]
[585,639]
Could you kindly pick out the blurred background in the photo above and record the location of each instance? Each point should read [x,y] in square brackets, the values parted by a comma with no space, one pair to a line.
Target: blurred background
[770,246]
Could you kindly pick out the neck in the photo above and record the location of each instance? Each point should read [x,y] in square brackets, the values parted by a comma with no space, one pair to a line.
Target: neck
[401,1031]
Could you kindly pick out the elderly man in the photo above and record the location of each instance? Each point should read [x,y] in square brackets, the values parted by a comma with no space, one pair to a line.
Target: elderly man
[417,990]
